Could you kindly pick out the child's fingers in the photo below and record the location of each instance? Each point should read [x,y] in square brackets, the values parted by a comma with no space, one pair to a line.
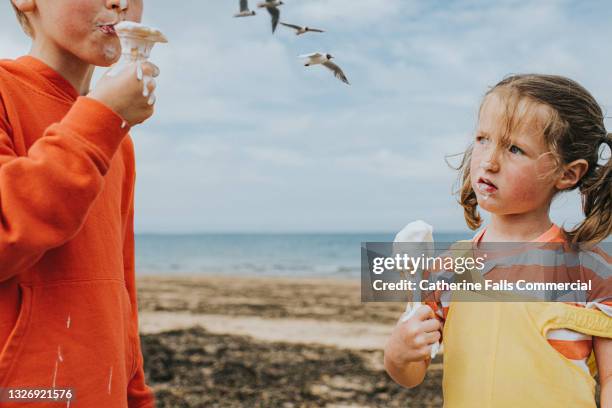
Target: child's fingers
[431,325]
[156,70]
[431,338]
[425,352]
[424,312]
[149,86]
[426,339]
[149,69]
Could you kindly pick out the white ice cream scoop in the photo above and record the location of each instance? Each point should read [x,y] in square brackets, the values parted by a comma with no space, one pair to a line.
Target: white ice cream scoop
[137,40]
[416,232]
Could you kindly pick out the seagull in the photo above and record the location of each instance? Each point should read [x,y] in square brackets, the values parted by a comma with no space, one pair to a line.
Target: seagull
[244,9]
[299,30]
[272,7]
[325,60]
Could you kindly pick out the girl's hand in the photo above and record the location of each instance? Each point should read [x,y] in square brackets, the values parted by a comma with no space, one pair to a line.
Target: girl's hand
[412,340]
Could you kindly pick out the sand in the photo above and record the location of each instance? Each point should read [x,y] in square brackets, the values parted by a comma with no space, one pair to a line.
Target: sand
[350,336]
[325,312]
[270,342]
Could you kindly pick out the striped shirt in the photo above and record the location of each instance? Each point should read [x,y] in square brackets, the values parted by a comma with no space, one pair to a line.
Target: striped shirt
[593,265]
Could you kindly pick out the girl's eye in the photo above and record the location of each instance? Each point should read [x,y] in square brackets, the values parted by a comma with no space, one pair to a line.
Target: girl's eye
[516,150]
[481,139]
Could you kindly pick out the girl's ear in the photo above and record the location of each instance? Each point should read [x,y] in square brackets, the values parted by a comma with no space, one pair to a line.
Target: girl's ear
[25,6]
[572,173]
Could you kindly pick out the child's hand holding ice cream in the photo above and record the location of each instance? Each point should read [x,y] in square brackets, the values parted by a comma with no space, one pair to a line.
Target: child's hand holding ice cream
[415,339]
[417,232]
[128,87]
[123,93]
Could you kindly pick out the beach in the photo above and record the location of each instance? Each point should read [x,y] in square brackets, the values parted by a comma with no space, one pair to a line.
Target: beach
[270,342]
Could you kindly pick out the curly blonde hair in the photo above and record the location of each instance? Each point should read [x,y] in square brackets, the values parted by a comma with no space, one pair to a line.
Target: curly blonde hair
[574,130]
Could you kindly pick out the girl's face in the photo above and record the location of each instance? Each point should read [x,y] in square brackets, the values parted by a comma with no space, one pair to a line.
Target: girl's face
[512,174]
[83,28]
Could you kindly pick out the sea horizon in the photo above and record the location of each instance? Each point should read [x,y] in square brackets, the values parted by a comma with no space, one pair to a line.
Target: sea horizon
[289,254]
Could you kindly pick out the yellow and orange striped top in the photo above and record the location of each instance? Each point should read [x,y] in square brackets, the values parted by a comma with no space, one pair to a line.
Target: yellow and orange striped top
[573,345]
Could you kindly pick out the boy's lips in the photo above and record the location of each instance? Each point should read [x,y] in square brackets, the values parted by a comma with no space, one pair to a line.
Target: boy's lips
[107,28]
[486,186]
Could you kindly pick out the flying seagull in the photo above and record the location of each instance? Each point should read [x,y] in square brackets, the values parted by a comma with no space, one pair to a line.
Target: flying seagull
[272,7]
[325,60]
[299,30]
[244,9]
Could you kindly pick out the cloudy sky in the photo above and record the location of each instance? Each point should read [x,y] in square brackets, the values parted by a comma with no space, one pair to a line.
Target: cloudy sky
[246,139]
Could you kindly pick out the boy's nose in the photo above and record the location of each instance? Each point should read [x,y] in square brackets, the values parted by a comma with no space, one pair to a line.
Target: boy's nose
[130,10]
[120,5]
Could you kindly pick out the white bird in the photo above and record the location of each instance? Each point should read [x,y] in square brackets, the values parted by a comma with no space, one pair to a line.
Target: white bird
[244,9]
[272,7]
[299,30]
[325,59]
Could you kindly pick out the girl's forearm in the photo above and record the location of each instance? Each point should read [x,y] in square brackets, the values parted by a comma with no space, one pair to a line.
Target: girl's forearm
[409,375]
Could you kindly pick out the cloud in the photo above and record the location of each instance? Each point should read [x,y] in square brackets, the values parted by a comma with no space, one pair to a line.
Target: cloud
[276,156]
[393,165]
[352,12]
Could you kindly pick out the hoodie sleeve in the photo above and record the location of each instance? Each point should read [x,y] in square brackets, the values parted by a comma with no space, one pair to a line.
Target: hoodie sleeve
[139,394]
[45,196]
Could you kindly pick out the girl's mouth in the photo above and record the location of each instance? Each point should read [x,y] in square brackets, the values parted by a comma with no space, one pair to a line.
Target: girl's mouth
[486,186]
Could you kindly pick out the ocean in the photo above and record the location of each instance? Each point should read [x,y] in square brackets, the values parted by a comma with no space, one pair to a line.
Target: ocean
[288,255]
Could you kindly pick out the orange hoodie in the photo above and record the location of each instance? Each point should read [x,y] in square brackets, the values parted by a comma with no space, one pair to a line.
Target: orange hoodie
[68,311]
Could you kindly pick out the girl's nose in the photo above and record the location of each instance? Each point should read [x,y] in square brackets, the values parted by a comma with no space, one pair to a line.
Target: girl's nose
[489,163]
[486,165]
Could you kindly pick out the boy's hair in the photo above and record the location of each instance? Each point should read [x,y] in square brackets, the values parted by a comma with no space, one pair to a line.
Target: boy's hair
[23,20]
[574,130]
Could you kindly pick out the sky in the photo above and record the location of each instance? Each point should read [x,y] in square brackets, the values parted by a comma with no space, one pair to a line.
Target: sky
[245,138]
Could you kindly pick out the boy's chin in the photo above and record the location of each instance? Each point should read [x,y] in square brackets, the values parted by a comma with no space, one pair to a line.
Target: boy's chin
[111,59]
[105,56]
[104,64]
[101,58]
[103,61]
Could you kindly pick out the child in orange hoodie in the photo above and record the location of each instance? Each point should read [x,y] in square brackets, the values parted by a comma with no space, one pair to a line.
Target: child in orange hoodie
[68,309]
